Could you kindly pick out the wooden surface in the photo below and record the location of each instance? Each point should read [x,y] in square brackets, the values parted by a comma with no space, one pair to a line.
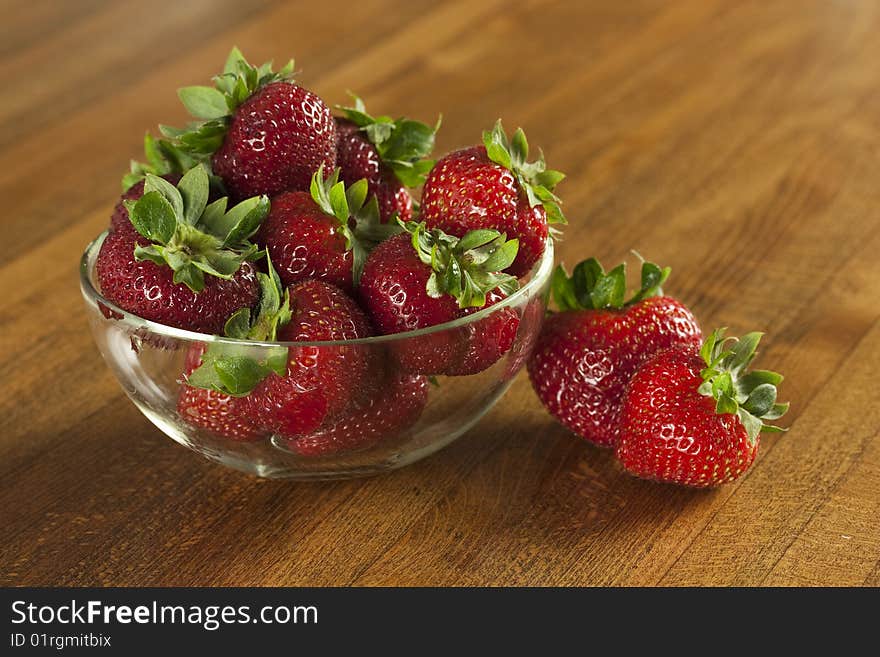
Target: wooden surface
[737,142]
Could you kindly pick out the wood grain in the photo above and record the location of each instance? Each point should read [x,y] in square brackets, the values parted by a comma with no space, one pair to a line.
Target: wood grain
[737,142]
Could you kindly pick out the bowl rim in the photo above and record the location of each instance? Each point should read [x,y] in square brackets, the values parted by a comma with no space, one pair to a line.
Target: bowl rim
[540,275]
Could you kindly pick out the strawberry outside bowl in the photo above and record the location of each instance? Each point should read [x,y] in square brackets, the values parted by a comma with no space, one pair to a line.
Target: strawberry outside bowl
[395,416]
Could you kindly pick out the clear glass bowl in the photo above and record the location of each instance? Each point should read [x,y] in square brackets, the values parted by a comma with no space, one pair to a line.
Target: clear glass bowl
[149,359]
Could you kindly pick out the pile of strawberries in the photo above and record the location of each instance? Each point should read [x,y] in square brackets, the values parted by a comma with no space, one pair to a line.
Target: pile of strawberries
[269,219]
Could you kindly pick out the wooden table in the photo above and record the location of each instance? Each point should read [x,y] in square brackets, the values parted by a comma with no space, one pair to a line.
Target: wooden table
[737,142]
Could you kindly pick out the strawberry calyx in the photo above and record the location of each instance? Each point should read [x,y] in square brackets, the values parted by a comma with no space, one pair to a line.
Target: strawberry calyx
[590,288]
[163,158]
[467,268]
[534,178]
[235,370]
[213,107]
[189,235]
[403,144]
[357,219]
[750,395]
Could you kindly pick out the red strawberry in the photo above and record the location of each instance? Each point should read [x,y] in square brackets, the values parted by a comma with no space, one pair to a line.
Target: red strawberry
[388,153]
[219,375]
[493,186]
[317,382]
[358,158]
[157,270]
[694,416]
[423,278]
[263,133]
[223,415]
[393,407]
[587,353]
[324,234]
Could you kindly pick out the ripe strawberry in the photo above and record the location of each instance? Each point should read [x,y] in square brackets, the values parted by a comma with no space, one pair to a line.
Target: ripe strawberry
[324,234]
[388,153]
[493,186]
[587,353]
[262,133]
[694,416]
[316,383]
[157,270]
[391,408]
[224,415]
[219,375]
[423,278]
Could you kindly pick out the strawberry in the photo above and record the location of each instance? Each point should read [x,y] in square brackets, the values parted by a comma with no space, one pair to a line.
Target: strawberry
[119,221]
[694,416]
[493,186]
[262,133]
[394,406]
[219,375]
[424,278]
[324,234]
[587,352]
[157,269]
[223,415]
[390,154]
[316,383]
[529,328]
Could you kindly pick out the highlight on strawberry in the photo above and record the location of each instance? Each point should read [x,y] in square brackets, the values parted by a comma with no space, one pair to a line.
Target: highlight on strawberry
[494,186]
[694,415]
[589,349]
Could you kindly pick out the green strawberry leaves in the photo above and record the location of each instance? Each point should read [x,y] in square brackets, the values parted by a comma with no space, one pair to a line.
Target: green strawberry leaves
[238,82]
[357,219]
[190,236]
[590,288]
[213,106]
[163,157]
[236,369]
[534,178]
[403,144]
[203,102]
[467,268]
[751,396]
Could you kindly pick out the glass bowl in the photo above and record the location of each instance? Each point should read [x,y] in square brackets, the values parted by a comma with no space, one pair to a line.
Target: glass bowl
[149,360]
